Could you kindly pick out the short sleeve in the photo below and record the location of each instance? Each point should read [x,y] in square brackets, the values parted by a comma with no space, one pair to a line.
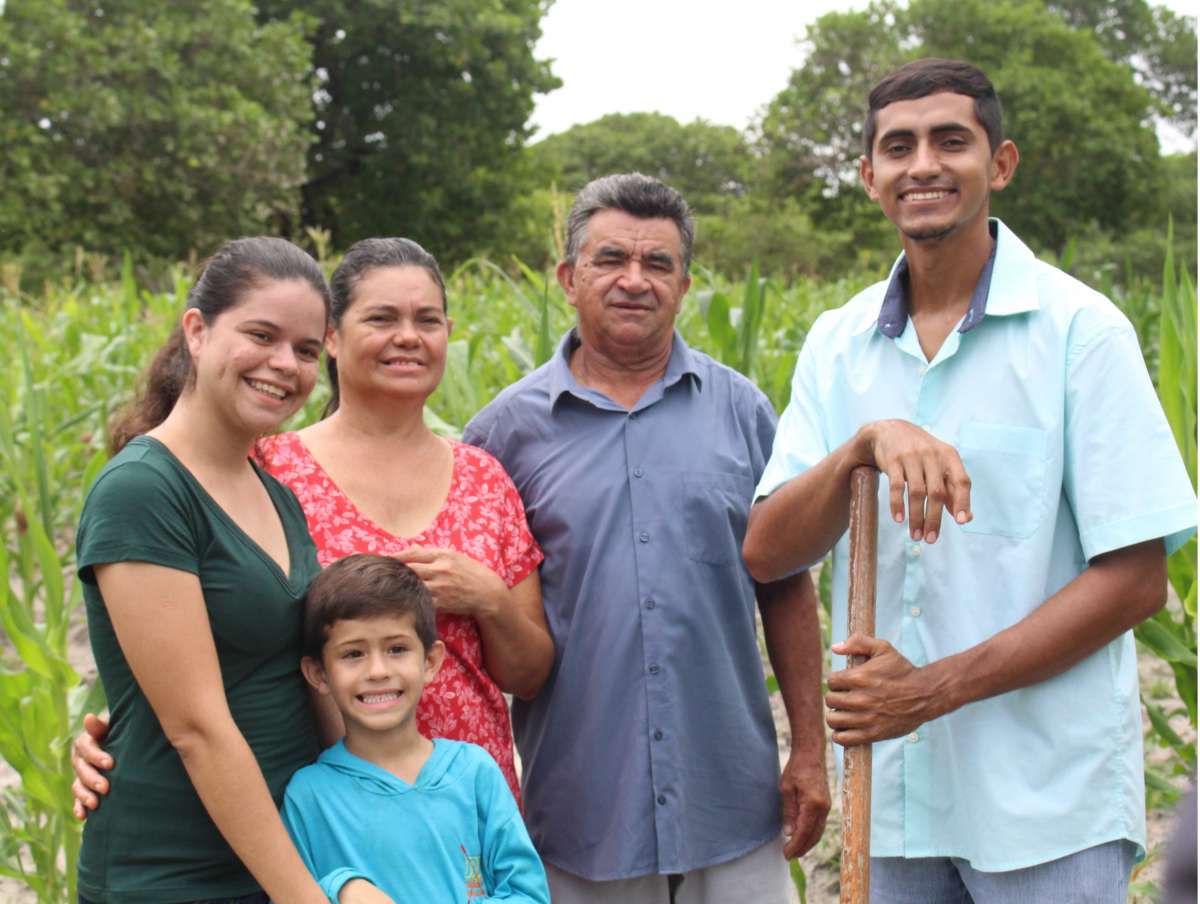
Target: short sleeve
[137,513]
[799,440]
[1122,471]
[519,552]
[765,421]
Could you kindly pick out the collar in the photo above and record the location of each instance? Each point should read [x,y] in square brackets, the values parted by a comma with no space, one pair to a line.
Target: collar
[1006,286]
[681,363]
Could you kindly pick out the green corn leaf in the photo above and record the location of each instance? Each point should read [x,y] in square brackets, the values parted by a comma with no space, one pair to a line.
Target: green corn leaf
[1154,634]
[1162,726]
[1161,785]
[799,880]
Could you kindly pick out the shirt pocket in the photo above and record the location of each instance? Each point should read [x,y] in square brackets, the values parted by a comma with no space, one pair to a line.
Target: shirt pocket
[1007,467]
[715,507]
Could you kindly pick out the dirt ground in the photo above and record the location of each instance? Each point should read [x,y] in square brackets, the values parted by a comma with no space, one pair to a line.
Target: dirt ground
[822,864]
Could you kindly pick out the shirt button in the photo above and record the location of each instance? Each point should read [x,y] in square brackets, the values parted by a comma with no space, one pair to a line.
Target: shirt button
[915,611]
[638,472]
[662,799]
[658,735]
[914,550]
[644,536]
[651,603]
[654,669]
[913,738]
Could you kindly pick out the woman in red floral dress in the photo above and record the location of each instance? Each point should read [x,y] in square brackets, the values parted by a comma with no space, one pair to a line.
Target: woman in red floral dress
[372,477]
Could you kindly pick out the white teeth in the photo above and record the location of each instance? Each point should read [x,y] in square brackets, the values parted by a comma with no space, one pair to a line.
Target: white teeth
[273,391]
[380,698]
[926,195]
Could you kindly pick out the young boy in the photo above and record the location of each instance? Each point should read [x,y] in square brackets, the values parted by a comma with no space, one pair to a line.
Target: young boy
[425,821]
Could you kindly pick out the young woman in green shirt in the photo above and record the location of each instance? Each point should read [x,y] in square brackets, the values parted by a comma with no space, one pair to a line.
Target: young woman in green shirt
[194,564]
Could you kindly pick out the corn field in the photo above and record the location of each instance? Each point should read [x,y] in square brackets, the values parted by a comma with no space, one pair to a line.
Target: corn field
[74,353]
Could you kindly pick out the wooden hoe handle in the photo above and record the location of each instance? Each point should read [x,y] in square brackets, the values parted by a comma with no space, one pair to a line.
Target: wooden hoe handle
[856,766]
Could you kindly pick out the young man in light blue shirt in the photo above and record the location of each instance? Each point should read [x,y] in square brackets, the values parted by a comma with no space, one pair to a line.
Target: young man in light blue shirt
[1009,408]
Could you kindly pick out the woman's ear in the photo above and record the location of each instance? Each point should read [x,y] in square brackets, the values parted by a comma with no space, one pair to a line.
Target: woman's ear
[194,329]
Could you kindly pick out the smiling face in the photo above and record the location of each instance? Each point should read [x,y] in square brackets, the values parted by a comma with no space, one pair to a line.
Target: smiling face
[932,170]
[392,338]
[257,361]
[374,669]
[627,283]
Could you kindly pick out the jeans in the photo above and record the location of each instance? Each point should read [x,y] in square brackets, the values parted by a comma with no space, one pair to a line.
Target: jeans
[1095,875]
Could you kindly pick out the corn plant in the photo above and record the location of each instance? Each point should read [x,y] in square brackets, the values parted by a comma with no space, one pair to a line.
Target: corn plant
[1171,633]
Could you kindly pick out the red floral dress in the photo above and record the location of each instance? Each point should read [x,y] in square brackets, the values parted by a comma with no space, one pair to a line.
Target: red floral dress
[483,518]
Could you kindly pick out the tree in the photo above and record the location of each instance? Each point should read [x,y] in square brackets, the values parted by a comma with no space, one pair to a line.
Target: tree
[421,112]
[1081,121]
[155,127]
[1159,44]
[707,163]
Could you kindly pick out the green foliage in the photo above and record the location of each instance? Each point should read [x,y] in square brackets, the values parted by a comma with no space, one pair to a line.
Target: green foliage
[421,113]
[1171,633]
[707,163]
[1158,43]
[160,126]
[69,360]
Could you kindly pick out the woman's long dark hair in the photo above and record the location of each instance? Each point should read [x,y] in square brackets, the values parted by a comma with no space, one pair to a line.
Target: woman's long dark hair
[364,256]
[224,279]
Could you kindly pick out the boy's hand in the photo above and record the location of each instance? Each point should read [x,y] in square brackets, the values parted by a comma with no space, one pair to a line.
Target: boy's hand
[87,758]
[360,891]
[458,584]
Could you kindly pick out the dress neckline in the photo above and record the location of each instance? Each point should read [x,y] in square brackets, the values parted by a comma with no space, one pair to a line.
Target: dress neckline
[363,518]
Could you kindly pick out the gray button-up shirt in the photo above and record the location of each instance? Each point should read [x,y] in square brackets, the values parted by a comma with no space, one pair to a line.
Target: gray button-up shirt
[651,747]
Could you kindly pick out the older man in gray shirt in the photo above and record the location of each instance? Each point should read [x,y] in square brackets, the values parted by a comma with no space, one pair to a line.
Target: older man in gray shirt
[650,761]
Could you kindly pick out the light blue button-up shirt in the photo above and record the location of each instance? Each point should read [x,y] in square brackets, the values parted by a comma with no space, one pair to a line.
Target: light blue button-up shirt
[650,748]
[1050,407]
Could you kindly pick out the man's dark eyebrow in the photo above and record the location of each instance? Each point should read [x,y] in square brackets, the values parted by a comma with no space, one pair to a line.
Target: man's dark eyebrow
[611,251]
[940,128]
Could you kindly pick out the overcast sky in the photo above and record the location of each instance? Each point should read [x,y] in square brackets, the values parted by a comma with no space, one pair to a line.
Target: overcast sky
[718,61]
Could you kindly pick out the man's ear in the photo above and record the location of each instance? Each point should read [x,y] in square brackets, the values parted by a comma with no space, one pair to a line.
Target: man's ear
[1004,164]
[434,657]
[314,674]
[866,172]
[566,278]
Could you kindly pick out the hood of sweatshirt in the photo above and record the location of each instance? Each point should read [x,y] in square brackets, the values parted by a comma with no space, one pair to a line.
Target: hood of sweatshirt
[443,768]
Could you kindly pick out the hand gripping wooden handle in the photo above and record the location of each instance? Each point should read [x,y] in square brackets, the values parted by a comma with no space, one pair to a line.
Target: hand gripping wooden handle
[856,763]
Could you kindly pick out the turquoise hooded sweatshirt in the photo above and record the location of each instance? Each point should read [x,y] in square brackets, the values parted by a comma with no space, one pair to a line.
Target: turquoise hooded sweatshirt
[455,835]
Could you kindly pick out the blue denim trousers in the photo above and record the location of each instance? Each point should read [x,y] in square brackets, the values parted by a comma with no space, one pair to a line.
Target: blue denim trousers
[1096,875]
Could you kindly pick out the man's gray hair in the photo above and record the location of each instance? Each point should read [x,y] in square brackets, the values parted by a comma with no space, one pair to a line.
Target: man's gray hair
[639,195]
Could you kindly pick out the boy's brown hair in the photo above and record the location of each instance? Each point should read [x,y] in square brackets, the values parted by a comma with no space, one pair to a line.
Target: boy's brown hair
[366,586]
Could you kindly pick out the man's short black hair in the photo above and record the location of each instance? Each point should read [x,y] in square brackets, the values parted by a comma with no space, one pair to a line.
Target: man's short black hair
[366,586]
[921,78]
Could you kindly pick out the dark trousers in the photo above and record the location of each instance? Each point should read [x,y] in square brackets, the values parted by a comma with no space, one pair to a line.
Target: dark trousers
[257,898]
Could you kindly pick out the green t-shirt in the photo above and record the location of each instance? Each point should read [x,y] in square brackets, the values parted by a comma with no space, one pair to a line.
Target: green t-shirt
[152,840]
